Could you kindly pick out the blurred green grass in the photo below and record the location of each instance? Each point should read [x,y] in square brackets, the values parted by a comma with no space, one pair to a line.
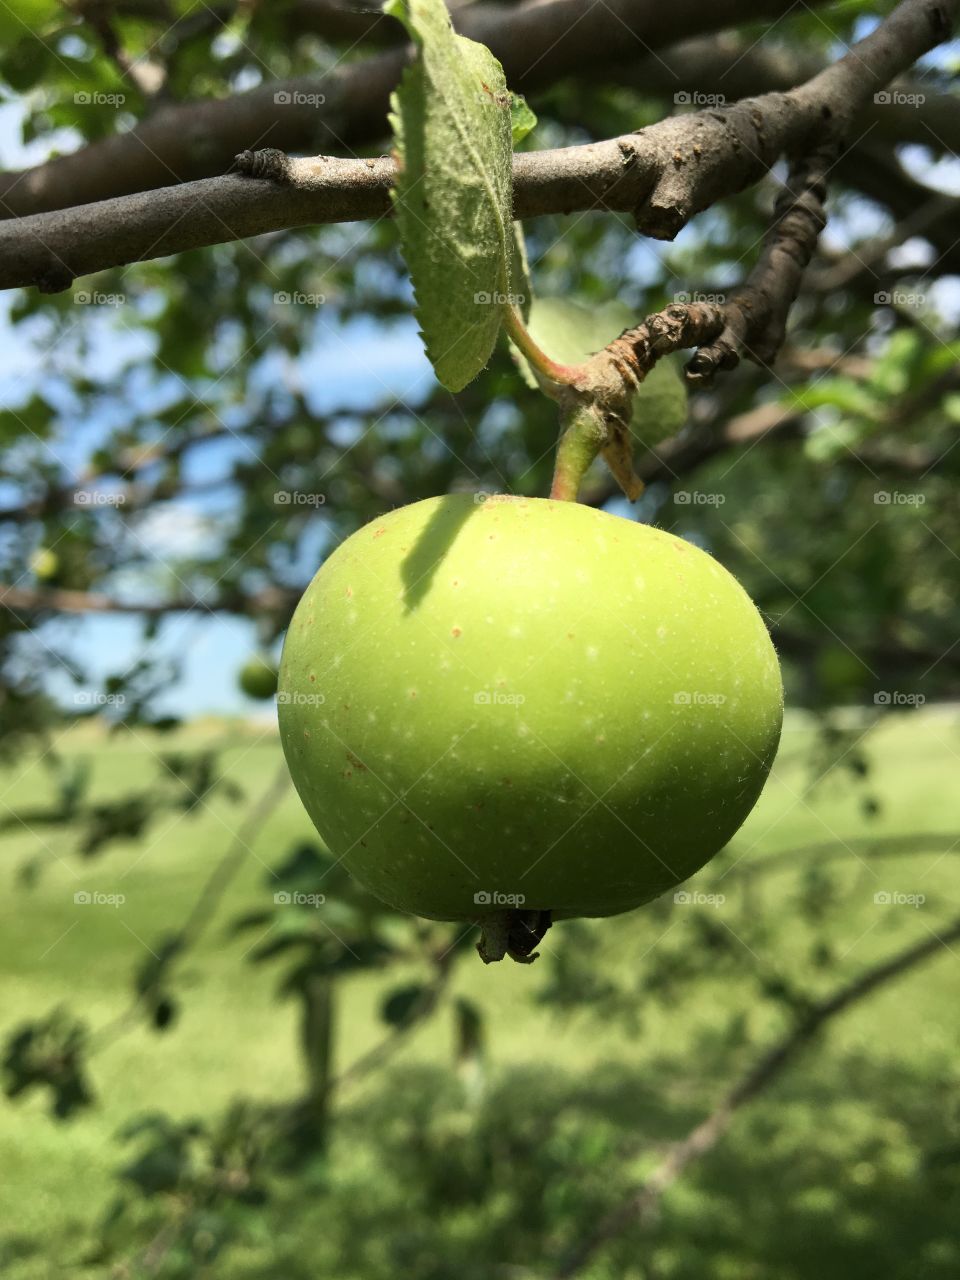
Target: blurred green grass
[234,1038]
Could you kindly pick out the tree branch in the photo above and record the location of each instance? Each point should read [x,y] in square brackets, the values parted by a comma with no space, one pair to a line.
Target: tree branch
[537,42]
[663,174]
[642,1205]
[730,66]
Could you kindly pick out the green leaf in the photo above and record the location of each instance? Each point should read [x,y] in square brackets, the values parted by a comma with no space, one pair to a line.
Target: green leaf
[570,333]
[522,119]
[452,124]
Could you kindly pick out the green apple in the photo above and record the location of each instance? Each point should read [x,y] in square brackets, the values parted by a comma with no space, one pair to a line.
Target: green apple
[45,564]
[525,706]
[258,677]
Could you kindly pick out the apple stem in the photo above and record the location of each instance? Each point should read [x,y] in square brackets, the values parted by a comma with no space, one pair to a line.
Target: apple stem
[512,933]
[564,374]
[494,932]
[582,437]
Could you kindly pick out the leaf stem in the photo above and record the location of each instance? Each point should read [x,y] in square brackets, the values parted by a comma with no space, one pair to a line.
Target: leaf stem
[565,374]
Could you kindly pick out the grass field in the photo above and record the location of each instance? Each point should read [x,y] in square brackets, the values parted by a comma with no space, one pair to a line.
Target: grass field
[823,1175]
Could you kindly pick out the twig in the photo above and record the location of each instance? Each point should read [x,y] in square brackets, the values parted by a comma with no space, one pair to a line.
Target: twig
[642,1204]
[384,1049]
[878,846]
[205,905]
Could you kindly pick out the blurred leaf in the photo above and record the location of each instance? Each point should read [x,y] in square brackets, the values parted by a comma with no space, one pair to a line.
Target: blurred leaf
[398,1005]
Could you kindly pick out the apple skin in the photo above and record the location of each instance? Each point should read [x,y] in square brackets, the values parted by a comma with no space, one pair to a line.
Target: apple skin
[258,677]
[525,702]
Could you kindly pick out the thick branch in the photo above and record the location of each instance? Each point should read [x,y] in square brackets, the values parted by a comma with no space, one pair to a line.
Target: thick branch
[664,174]
[640,1207]
[732,66]
[537,43]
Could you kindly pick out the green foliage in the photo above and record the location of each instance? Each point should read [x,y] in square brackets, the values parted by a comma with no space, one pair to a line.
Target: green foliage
[511,1118]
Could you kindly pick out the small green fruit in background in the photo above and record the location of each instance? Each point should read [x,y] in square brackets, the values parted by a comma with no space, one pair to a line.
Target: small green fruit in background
[45,564]
[258,677]
[525,706]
